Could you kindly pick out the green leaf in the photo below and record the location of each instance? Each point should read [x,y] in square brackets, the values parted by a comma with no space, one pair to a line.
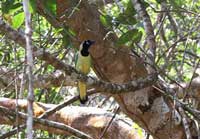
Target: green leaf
[11,6]
[176,5]
[131,35]
[103,20]
[67,33]
[106,20]
[159,1]
[145,4]
[32,6]
[127,20]
[71,32]
[137,37]
[127,17]
[65,38]
[50,5]
[18,20]
[130,11]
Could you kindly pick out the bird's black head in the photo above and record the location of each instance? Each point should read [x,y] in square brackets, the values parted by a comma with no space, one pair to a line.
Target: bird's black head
[87,44]
[85,47]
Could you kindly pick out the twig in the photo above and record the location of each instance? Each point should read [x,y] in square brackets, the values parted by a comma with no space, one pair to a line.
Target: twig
[29,55]
[16,91]
[21,90]
[185,123]
[182,10]
[74,9]
[103,102]
[110,122]
[13,131]
[189,53]
[62,105]
[190,83]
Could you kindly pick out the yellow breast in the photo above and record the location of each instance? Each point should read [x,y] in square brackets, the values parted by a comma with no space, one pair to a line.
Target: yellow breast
[83,64]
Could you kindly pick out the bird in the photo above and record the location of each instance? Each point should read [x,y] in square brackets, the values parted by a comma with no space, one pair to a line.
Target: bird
[83,64]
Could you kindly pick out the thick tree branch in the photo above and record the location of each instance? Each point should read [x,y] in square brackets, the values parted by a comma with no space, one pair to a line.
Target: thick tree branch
[44,122]
[45,114]
[89,120]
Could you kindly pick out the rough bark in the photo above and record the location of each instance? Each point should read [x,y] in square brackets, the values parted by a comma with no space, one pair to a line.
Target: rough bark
[90,120]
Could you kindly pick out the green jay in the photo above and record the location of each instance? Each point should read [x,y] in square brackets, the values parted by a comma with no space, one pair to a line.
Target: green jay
[83,64]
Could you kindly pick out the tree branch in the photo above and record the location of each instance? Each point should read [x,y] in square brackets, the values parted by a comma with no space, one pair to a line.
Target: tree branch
[44,122]
[141,10]
[45,114]
[100,85]
[29,56]
[39,81]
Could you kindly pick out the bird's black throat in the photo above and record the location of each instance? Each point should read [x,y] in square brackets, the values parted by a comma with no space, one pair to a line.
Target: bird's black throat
[85,47]
[84,52]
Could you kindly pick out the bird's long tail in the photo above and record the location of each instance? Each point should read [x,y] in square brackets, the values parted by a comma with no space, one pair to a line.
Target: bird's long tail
[82,92]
